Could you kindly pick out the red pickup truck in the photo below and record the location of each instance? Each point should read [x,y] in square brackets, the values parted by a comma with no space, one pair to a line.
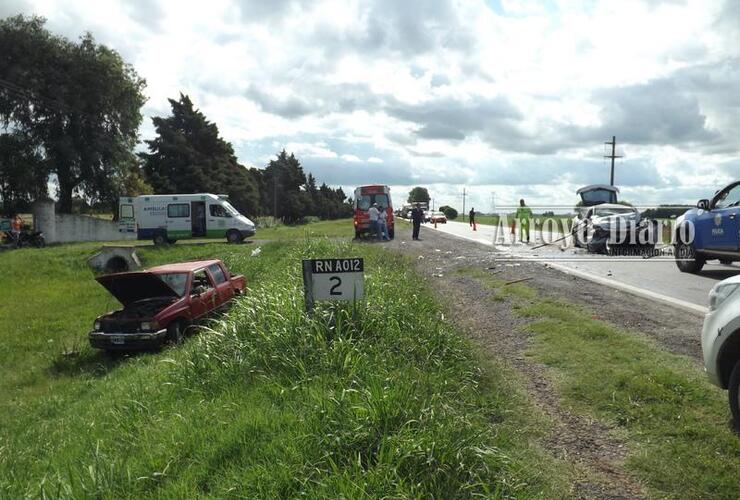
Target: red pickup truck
[159,304]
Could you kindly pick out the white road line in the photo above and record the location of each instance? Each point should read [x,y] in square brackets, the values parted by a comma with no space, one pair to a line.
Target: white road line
[634,290]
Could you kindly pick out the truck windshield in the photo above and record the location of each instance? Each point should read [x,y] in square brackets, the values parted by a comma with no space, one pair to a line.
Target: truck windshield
[176,281]
[230,209]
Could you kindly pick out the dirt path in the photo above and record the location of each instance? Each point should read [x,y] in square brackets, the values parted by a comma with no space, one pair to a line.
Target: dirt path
[492,324]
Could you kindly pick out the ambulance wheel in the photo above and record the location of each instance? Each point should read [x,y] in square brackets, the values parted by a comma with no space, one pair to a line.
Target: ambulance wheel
[160,239]
[233,236]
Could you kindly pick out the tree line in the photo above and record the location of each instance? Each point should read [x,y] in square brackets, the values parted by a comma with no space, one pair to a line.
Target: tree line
[70,114]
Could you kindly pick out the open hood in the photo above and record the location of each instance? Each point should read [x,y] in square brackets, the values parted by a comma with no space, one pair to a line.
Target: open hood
[597,194]
[131,287]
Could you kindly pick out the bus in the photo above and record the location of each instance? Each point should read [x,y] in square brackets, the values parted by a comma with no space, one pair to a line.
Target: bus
[365,196]
[169,217]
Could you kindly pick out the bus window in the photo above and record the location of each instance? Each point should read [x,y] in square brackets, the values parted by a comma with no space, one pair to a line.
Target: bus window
[365,201]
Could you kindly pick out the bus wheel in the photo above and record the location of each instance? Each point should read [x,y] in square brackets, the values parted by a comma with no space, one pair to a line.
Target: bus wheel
[160,239]
[233,236]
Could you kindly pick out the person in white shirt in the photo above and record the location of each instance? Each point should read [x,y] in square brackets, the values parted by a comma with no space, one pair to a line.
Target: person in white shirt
[373,214]
[383,225]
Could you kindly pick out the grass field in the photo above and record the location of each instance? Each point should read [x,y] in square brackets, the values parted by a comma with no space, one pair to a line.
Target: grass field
[381,399]
[675,421]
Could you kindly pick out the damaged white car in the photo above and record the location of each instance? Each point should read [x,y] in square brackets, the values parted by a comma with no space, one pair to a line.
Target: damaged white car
[603,226]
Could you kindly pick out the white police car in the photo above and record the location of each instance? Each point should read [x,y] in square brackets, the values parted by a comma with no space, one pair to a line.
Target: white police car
[709,231]
[720,341]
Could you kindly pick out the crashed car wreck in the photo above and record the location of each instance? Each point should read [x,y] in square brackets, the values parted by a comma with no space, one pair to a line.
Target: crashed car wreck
[603,226]
[161,303]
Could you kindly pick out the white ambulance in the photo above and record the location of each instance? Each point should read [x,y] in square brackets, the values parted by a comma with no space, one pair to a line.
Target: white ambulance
[166,218]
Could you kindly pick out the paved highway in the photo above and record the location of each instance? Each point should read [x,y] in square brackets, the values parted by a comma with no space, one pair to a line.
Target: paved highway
[656,278]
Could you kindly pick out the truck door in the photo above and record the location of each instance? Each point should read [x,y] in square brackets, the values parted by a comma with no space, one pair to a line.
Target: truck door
[202,294]
[718,227]
[126,218]
[178,220]
[199,219]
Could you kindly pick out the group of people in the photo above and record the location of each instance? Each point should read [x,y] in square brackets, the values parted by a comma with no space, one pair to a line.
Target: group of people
[523,216]
[379,222]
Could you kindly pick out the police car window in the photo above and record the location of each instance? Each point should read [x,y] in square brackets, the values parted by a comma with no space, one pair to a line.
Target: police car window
[729,198]
[218,273]
[178,210]
[219,211]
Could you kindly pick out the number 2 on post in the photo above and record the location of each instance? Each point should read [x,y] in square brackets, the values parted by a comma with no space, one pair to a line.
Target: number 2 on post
[333,290]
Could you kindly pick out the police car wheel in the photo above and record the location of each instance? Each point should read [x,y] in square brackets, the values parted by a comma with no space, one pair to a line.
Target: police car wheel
[733,390]
[686,259]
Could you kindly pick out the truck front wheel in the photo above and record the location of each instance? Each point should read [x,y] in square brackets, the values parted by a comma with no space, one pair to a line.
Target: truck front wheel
[233,236]
[174,333]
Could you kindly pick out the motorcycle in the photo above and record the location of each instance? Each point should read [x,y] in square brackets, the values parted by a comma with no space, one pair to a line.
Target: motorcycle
[26,238]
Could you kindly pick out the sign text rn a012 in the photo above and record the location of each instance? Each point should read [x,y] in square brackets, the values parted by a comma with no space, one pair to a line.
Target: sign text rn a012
[333,279]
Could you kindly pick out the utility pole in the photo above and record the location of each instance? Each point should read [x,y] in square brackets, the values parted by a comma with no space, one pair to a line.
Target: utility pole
[432,204]
[464,195]
[612,156]
[493,203]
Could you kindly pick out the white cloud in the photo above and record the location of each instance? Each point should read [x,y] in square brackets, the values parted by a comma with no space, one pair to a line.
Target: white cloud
[517,99]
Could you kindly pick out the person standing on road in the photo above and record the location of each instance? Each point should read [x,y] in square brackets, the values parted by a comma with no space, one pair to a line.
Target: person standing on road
[471,218]
[417,215]
[383,225]
[373,214]
[523,214]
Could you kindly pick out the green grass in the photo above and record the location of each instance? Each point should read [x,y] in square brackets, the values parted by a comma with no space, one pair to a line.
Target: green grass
[380,400]
[675,421]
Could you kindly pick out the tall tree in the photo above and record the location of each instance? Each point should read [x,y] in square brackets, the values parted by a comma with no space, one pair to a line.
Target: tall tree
[22,172]
[419,195]
[189,156]
[284,188]
[80,101]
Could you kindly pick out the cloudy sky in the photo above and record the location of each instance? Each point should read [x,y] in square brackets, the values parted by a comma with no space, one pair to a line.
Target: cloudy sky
[506,98]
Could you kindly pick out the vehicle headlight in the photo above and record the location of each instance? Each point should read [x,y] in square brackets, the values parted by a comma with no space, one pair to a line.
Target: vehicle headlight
[149,325]
[720,293]
[96,325]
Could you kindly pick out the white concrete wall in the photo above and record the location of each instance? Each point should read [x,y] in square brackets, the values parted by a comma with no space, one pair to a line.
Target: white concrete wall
[85,228]
[64,228]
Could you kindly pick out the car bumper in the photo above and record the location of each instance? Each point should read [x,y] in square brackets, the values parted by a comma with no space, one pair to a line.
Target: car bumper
[139,340]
